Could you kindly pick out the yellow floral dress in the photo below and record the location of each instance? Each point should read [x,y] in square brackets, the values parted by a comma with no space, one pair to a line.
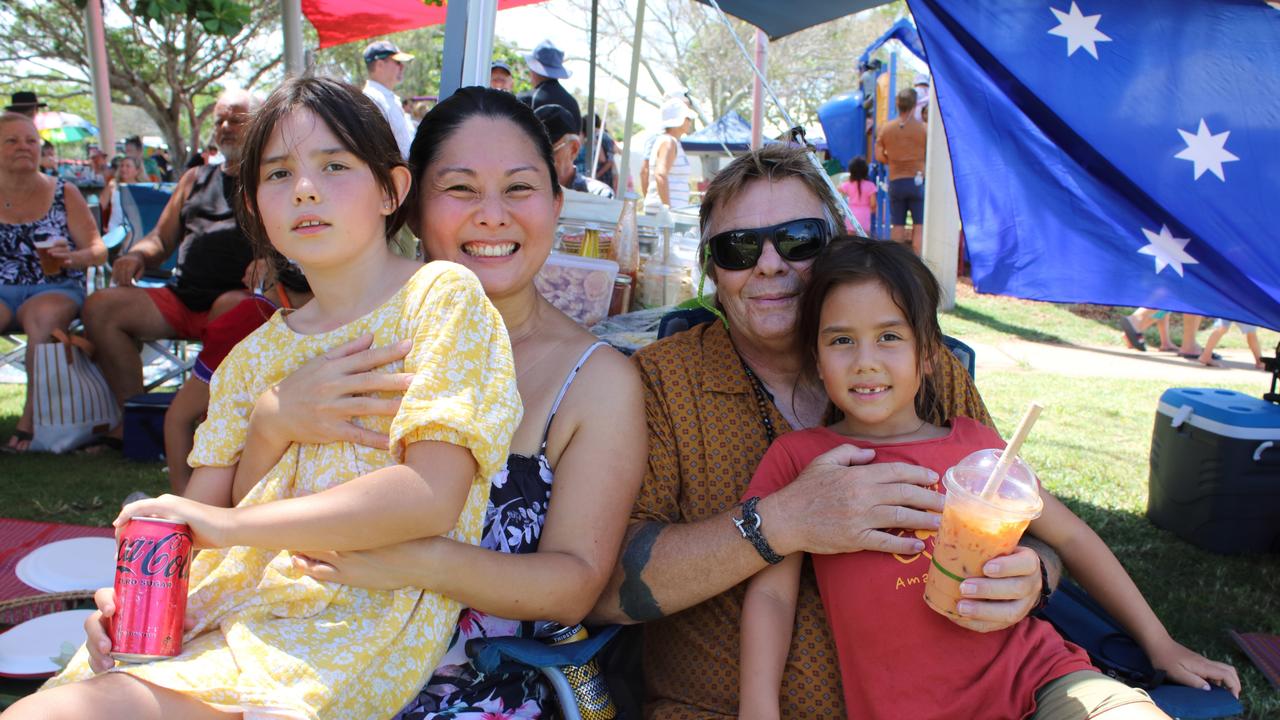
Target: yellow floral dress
[273,643]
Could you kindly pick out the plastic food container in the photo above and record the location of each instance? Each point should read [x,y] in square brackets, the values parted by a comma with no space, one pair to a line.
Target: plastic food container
[579,287]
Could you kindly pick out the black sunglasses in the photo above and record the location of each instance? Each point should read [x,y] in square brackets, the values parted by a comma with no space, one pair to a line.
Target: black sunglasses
[794,240]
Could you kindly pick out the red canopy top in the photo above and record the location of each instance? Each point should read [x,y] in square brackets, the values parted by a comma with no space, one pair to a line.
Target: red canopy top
[342,21]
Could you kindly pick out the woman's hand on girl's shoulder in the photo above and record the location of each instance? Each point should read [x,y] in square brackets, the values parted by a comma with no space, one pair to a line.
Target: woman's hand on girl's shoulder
[211,527]
[317,402]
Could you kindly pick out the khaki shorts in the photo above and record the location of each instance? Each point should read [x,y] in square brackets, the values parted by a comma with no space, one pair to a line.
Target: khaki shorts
[1085,694]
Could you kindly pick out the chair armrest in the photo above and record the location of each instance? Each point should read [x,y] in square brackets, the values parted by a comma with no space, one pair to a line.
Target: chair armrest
[497,654]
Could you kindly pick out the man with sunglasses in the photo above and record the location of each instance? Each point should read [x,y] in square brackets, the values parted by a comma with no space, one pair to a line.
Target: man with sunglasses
[385,64]
[716,396]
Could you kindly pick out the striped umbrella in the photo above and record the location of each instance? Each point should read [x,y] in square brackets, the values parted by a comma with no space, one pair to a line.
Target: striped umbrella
[61,127]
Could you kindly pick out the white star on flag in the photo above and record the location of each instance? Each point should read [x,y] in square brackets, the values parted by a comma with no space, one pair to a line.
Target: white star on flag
[1081,31]
[1167,249]
[1206,150]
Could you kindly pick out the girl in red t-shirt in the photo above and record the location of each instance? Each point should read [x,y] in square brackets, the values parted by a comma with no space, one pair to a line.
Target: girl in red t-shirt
[869,319]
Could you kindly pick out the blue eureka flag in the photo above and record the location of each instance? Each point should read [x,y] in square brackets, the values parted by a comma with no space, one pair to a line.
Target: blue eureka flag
[1124,152]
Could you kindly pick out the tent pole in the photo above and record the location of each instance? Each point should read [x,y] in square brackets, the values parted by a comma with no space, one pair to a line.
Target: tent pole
[941,242]
[590,116]
[624,175]
[291,25]
[97,45]
[841,201]
[757,91]
[468,44]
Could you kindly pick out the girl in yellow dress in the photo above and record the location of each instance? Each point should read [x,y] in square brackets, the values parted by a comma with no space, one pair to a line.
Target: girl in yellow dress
[323,182]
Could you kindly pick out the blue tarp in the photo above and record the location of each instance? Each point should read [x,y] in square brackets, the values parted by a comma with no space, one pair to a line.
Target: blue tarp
[777,18]
[731,130]
[902,31]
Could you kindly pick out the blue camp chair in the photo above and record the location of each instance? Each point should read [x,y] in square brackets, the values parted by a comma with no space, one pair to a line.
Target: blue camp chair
[1080,619]
[142,204]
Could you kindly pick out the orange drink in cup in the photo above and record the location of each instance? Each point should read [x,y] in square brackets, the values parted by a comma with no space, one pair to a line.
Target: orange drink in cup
[44,244]
[976,528]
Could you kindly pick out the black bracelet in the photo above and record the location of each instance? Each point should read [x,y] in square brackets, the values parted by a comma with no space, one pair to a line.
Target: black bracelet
[1045,590]
[749,526]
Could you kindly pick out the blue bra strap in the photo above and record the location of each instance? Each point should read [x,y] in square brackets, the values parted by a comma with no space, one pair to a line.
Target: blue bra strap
[582,360]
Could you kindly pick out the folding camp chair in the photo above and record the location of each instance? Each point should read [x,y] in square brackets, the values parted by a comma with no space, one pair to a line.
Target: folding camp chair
[142,204]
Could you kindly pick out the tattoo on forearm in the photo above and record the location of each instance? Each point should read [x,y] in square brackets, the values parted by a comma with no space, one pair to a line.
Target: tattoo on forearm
[634,596]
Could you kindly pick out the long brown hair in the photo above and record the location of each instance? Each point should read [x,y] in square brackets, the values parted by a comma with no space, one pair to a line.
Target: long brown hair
[850,260]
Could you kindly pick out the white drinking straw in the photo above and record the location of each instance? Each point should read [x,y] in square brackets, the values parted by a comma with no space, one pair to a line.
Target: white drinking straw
[1011,451]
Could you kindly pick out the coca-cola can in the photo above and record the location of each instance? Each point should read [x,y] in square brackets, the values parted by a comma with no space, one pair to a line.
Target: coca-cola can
[152,561]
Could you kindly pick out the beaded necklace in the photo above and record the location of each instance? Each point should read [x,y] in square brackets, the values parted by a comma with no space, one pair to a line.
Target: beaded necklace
[762,403]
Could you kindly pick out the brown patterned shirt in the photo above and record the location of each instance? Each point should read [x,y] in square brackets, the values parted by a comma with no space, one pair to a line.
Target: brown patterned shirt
[706,437]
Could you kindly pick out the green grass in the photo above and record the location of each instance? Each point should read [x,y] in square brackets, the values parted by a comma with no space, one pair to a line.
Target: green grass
[992,318]
[1090,447]
[75,488]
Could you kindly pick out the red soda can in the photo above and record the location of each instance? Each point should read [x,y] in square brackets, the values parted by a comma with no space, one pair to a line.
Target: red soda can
[151,589]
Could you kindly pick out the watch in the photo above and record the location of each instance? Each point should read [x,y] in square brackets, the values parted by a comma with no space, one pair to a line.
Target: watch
[749,526]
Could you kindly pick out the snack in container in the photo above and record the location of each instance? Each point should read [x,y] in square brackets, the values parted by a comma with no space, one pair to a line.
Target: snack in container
[579,287]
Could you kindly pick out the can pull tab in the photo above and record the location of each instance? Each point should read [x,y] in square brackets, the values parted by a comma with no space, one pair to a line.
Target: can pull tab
[1257,453]
[1181,416]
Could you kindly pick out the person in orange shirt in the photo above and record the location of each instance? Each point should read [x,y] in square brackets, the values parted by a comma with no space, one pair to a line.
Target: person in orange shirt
[901,145]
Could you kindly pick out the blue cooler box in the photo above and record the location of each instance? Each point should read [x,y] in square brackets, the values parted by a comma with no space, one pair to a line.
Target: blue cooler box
[1215,470]
[144,426]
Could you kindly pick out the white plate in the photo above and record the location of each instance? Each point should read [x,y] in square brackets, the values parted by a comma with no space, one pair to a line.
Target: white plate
[85,563]
[29,649]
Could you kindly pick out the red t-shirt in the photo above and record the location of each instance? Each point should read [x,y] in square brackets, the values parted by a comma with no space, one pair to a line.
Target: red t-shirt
[899,658]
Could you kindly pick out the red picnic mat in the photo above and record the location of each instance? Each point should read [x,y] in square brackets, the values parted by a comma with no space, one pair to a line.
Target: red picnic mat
[1264,651]
[19,537]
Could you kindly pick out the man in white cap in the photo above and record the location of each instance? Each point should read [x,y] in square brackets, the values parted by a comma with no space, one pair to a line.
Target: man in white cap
[546,69]
[922,97]
[385,64]
[668,165]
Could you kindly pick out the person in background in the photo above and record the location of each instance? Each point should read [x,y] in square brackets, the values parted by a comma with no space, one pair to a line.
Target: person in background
[565,143]
[668,164]
[922,98]
[25,102]
[1220,327]
[546,70]
[500,77]
[212,156]
[385,64]
[604,164]
[164,170]
[112,210]
[97,165]
[681,94]
[901,145]
[216,268]
[34,206]
[861,194]
[195,159]
[133,149]
[49,159]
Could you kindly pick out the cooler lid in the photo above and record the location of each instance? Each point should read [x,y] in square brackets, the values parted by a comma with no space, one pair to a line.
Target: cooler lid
[1225,412]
